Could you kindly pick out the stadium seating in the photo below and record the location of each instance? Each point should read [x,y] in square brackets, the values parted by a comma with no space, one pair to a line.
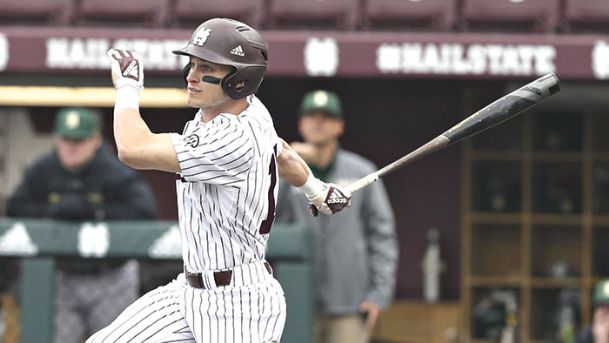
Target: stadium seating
[586,16]
[534,16]
[521,16]
[191,13]
[150,13]
[398,15]
[313,14]
[47,12]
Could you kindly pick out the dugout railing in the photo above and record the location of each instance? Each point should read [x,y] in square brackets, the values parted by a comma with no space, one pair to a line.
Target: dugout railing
[38,242]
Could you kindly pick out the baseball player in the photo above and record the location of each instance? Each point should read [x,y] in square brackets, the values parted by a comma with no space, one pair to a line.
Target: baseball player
[226,162]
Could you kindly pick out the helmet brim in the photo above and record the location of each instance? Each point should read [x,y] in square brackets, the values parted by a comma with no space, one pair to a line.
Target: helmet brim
[204,54]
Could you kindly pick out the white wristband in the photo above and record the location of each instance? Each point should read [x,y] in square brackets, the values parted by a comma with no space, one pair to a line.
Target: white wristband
[313,186]
[127,96]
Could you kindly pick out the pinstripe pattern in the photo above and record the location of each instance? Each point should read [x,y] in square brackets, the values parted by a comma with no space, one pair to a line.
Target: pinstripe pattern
[155,317]
[225,190]
[222,192]
[252,310]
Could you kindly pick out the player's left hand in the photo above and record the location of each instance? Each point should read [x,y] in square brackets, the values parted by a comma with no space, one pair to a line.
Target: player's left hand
[127,68]
[371,312]
[331,199]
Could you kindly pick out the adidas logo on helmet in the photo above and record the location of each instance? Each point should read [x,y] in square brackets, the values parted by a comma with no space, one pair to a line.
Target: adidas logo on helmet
[238,50]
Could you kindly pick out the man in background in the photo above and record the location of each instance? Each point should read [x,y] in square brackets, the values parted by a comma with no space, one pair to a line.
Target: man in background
[356,250]
[598,331]
[81,180]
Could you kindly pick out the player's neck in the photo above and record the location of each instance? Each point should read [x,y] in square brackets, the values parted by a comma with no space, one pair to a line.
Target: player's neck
[230,107]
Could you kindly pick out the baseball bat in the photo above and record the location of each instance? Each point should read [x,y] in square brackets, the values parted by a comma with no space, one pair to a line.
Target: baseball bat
[497,112]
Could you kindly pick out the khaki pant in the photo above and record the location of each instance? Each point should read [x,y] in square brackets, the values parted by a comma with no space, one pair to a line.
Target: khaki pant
[341,329]
[11,317]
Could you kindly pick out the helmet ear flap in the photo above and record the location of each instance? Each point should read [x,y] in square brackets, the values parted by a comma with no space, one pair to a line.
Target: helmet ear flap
[229,85]
[243,82]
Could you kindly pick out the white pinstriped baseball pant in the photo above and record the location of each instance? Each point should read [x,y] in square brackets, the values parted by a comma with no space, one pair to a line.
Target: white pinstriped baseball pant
[250,309]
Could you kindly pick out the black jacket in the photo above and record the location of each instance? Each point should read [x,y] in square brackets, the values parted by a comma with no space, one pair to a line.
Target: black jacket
[105,189]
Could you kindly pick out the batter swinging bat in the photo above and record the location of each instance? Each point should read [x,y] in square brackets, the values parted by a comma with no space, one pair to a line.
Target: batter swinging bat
[499,111]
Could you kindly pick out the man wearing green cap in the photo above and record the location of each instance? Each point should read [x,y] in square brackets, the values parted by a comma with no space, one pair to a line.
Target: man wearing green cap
[356,250]
[81,180]
[598,331]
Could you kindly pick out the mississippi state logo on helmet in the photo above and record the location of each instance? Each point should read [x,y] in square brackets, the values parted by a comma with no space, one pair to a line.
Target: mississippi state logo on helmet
[233,43]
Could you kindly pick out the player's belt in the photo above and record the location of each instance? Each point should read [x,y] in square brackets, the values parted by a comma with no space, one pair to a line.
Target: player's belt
[222,278]
[180,177]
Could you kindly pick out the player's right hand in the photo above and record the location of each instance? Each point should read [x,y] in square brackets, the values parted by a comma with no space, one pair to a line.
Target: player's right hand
[305,150]
[332,198]
[127,68]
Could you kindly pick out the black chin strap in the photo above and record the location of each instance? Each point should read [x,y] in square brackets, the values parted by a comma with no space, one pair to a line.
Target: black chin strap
[211,79]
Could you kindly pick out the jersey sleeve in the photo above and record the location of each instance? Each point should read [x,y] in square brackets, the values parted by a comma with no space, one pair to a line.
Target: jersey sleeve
[219,153]
[278,144]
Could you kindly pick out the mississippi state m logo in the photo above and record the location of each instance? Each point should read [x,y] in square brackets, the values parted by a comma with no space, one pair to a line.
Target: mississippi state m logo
[200,36]
[192,141]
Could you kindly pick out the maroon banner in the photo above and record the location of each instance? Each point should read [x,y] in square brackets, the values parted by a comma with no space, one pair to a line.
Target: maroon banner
[323,54]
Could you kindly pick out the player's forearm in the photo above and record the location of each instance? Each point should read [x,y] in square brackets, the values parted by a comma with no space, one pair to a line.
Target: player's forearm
[139,148]
[295,171]
[292,168]
[130,130]
[130,133]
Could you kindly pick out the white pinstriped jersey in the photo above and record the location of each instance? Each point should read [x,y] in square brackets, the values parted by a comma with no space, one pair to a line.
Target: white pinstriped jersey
[226,202]
[227,188]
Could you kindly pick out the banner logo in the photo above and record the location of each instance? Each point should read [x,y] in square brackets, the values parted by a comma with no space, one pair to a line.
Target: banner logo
[600,60]
[460,59]
[321,57]
[4,52]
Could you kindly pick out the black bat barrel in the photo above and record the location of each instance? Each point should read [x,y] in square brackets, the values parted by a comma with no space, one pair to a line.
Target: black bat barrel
[505,108]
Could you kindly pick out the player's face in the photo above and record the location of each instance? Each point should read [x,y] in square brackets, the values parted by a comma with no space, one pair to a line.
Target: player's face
[320,129]
[204,94]
[76,153]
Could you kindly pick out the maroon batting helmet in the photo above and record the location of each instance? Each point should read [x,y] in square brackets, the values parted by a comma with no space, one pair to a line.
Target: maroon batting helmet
[233,43]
